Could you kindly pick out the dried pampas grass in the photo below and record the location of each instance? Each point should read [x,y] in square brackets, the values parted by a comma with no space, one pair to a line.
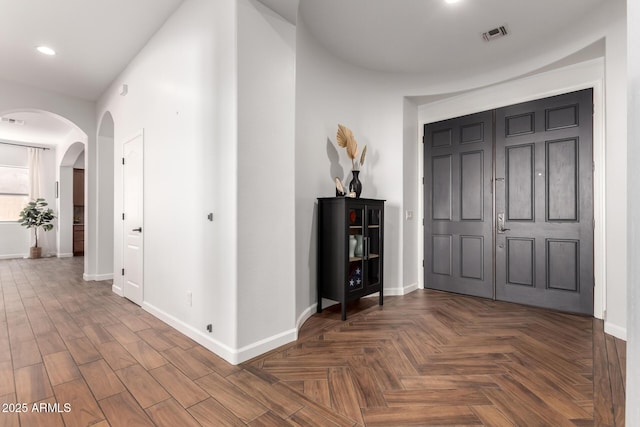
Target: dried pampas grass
[346,140]
[344,135]
[364,153]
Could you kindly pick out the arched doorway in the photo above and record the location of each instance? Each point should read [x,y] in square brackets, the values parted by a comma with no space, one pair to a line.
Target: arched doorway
[105,215]
[69,213]
[63,141]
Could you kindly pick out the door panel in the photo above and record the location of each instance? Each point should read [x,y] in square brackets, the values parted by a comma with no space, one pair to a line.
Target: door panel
[458,205]
[133,287]
[544,167]
[540,251]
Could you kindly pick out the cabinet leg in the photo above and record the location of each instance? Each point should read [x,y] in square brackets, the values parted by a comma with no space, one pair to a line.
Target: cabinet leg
[319,305]
[380,302]
[344,311]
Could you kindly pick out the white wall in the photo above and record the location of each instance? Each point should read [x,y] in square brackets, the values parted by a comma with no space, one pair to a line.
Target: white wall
[616,172]
[212,146]
[329,92]
[633,208]
[266,164]
[182,93]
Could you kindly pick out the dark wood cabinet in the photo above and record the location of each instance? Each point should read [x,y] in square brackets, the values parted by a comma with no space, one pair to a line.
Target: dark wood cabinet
[78,240]
[78,212]
[78,187]
[350,249]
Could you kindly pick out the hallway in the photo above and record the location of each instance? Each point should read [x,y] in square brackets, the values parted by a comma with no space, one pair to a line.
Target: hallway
[427,357]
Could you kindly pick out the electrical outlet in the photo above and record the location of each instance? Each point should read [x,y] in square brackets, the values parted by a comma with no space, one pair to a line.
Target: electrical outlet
[408,215]
[190,298]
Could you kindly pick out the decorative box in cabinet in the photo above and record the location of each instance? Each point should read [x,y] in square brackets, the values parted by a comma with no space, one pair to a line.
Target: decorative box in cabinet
[350,249]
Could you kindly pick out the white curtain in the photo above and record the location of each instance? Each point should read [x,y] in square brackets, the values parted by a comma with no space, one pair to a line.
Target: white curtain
[35,192]
[34,173]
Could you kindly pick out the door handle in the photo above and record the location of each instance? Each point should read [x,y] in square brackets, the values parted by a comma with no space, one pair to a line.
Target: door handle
[139,229]
[500,227]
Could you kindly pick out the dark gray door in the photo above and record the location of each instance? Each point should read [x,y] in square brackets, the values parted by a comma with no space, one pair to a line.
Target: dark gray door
[544,201]
[458,205]
[527,236]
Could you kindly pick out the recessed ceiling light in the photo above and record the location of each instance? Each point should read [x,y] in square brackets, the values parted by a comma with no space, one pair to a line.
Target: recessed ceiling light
[46,50]
[451,1]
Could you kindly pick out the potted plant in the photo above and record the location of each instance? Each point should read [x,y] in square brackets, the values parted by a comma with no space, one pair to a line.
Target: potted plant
[36,215]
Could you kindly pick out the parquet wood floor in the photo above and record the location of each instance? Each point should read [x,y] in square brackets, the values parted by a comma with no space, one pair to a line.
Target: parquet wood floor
[427,358]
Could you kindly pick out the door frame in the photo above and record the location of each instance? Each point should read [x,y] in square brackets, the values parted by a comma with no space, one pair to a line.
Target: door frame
[119,240]
[140,135]
[577,77]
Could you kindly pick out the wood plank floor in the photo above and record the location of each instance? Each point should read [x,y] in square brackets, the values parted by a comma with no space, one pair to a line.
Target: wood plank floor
[427,358]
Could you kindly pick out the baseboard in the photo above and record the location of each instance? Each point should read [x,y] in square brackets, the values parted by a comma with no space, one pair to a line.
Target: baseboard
[615,330]
[305,316]
[14,256]
[97,277]
[117,290]
[69,255]
[233,356]
[260,347]
[401,291]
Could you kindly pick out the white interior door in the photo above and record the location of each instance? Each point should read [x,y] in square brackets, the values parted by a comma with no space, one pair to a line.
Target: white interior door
[132,182]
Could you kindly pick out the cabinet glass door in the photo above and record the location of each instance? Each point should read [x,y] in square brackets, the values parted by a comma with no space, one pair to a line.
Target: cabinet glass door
[355,273]
[373,246]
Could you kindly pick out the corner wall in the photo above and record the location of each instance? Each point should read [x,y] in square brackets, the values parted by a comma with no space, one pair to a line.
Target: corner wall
[213,92]
[633,208]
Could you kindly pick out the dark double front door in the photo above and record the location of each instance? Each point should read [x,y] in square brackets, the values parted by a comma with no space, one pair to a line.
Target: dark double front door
[509,203]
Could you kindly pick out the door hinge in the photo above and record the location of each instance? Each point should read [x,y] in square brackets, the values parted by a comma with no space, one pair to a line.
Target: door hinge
[123,160]
[123,271]
[123,216]
[422,263]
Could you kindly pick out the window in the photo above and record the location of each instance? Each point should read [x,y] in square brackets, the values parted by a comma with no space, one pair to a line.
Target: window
[14,191]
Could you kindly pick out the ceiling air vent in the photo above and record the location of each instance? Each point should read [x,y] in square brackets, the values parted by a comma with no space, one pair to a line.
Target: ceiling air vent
[495,33]
[12,121]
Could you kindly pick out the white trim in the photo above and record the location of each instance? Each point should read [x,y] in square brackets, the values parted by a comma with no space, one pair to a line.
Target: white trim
[227,353]
[65,255]
[306,315]
[615,330]
[97,277]
[401,290]
[233,356]
[588,74]
[13,256]
[117,290]
[260,347]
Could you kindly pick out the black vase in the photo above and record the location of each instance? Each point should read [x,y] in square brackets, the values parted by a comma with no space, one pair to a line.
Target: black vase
[355,186]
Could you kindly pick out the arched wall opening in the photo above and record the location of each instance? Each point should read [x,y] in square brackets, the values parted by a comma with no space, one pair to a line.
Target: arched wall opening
[64,141]
[105,215]
[66,214]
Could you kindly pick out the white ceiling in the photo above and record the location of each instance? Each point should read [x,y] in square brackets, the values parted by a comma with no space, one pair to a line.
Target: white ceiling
[94,41]
[37,128]
[434,37]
